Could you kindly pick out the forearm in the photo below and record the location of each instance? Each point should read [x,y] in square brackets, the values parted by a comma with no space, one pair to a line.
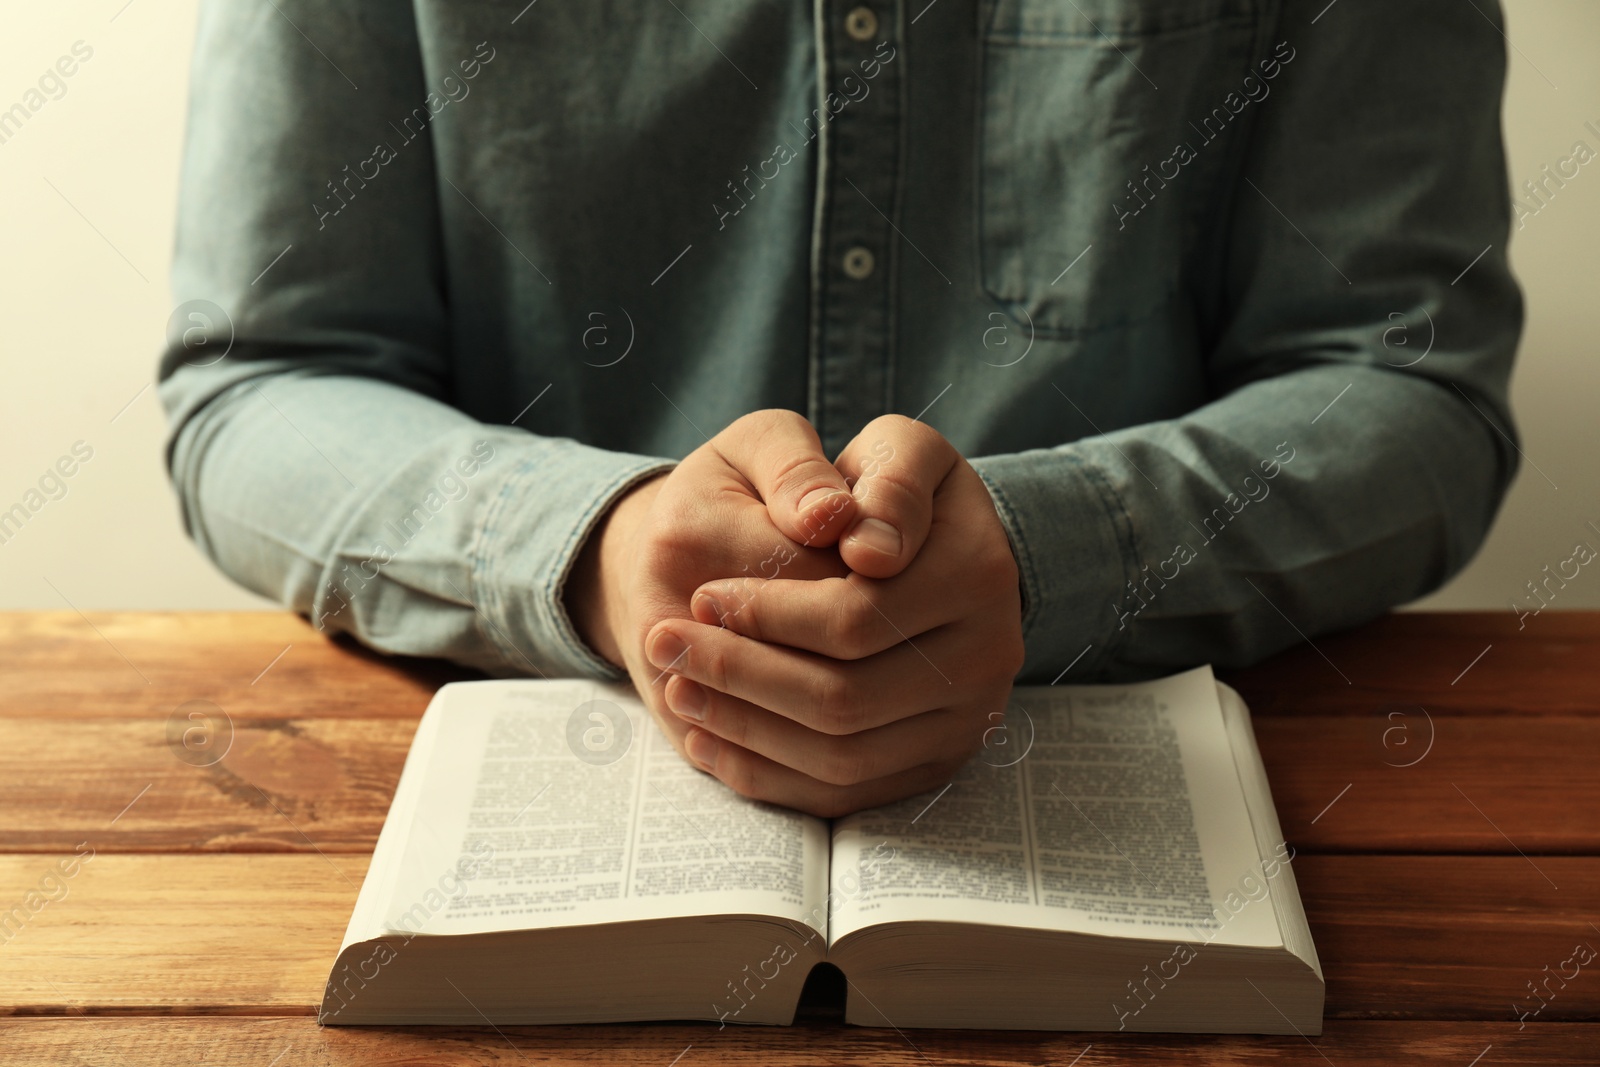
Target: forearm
[1371,338]
[381,512]
[1244,526]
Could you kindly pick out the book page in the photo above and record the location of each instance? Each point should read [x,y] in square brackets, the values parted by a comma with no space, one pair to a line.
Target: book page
[1109,810]
[560,803]
[1270,843]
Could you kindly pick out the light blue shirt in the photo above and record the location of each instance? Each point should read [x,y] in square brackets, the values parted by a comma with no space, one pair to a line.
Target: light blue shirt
[1212,293]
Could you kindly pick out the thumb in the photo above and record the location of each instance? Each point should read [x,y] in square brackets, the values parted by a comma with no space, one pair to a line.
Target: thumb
[901,464]
[779,454]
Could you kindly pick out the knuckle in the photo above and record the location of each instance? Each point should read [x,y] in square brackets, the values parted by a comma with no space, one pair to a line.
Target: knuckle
[925,438]
[844,763]
[912,433]
[893,487]
[798,470]
[671,533]
[992,568]
[746,620]
[769,420]
[999,564]
[710,660]
[1005,562]
[755,421]
[833,804]
[784,417]
[896,425]
[1017,657]
[738,607]
[1019,646]
[853,626]
[999,584]
[659,557]
[728,723]
[735,771]
[832,703]
[1001,658]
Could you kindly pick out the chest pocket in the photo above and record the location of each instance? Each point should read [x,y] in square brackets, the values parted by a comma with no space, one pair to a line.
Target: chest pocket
[1104,127]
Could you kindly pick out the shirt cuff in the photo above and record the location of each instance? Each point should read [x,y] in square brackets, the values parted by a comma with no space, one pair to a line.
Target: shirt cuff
[1073,540]
[531,539]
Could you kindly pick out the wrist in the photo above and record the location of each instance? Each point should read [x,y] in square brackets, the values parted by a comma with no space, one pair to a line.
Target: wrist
[595,597]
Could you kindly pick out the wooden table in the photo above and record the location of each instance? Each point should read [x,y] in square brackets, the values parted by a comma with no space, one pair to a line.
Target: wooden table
[1437,775]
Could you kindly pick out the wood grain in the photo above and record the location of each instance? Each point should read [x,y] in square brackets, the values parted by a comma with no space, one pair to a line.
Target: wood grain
[1451,937]
[202,929]
[1400,936]
[299,1043]
[1446,783]
[1487,784]
[174,934]
[246,785]
[147,664]
[1406,658]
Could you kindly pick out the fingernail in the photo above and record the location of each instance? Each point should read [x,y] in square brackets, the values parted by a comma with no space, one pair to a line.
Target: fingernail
[877,535]
[688,700]
[702,749]
[705,602]
[667,649]
[817,498]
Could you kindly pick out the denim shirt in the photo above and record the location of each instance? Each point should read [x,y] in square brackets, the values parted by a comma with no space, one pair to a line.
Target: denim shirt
[1212,293]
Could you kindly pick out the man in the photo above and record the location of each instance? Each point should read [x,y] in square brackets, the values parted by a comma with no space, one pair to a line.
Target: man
[824,368]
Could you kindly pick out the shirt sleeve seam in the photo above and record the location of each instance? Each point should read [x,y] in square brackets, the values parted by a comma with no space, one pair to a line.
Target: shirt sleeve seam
[1023,554]
[1122,523]
[479,556]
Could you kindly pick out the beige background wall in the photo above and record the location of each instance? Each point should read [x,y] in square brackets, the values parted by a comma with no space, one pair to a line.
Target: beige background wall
[87,188]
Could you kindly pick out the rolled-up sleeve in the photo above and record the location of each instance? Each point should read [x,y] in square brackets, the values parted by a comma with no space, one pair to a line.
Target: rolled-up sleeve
[1360,322]
[317,457]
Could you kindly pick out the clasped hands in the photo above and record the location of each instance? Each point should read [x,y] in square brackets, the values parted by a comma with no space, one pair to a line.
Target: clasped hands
[828,636]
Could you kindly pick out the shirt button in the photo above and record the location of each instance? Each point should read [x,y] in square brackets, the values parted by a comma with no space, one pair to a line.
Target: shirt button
[858,263]
[861,24]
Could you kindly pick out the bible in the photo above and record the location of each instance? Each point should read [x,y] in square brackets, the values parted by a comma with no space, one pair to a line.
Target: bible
[1109,860]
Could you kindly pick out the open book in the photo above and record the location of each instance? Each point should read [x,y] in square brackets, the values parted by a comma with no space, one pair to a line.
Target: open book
[1111,860]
